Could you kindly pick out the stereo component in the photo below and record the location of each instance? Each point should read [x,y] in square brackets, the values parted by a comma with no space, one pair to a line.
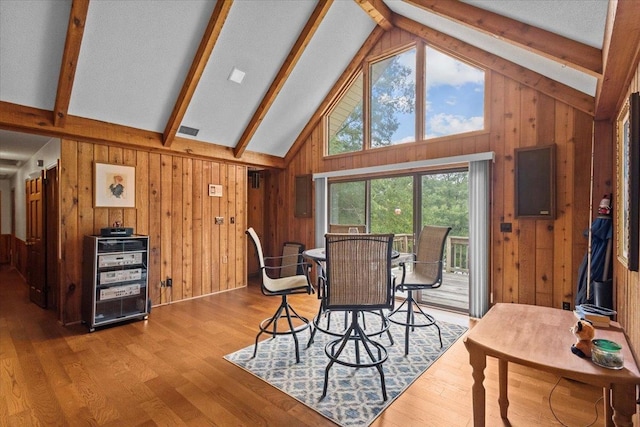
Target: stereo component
[108,277]
[119,259]
[116,231]
[119,291]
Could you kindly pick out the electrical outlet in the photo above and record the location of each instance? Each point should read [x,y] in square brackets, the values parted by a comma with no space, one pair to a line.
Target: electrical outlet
[162,283]
[566,305]
[505,227]
[219,220]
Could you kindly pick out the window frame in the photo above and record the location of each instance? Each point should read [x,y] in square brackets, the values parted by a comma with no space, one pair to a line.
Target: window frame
[334,104]
[420,100]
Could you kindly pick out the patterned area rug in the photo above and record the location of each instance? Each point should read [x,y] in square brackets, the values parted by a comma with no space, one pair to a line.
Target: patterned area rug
[354,396]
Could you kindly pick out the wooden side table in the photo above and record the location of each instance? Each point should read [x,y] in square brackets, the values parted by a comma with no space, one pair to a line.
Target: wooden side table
[539,337]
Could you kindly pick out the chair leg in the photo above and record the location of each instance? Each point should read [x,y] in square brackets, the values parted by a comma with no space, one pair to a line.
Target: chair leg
[270,326]
[432,322]
[410,320]
[315,328]
[359,337]
[412,308]
[287,309]
[273,320]
[384,319]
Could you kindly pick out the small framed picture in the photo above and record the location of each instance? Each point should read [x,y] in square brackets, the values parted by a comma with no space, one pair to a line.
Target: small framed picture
[114,186]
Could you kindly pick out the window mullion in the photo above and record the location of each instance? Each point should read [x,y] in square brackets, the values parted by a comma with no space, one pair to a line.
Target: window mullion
[420,90]
[366,106]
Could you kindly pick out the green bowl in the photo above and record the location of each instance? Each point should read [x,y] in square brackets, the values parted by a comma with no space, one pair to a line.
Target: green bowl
[607,354]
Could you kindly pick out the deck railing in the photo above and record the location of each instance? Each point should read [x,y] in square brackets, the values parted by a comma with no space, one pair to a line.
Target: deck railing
[456,251]
[403,243]
[457,255]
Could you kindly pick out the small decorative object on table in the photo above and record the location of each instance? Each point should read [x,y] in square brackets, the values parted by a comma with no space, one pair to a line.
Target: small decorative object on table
[584,332]
[607,354]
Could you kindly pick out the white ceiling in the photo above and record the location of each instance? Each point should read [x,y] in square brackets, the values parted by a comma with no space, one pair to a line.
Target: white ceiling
[135,56]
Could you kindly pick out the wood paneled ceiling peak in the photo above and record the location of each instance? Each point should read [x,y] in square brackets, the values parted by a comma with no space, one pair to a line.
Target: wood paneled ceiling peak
[289,64]
[138,94]
[208,42]
[558,48]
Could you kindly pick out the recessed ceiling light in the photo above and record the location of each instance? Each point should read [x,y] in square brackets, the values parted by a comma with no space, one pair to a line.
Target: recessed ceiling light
[236,75]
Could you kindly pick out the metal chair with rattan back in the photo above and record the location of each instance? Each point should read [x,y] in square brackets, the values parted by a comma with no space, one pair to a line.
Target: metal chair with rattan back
[424,271]
[291,262]
[287,278]
[358,281]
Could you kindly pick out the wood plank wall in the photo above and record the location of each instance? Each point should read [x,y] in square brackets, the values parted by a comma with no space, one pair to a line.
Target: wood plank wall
[255,219]
[627,283]
[5,248]
[172,207]
[538,262]
[19,254]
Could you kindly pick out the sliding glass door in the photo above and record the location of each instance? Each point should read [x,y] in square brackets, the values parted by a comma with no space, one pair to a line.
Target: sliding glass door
[391,205]
[444,201]
[436,197]
[402,205]
[348,203]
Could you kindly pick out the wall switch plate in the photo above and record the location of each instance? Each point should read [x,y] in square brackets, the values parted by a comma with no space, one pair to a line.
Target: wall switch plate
[505,227]
[219,220]
[215,190]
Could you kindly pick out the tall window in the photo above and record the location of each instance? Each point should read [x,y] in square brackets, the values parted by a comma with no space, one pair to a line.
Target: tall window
[454,93]
[453,102]
[393,99]
[345,121]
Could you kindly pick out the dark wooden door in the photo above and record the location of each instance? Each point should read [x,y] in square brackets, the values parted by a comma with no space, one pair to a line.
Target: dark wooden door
[51,233]
[36,254]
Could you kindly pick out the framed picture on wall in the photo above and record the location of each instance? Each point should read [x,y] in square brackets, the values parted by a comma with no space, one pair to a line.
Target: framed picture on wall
[114,186]
[628,183]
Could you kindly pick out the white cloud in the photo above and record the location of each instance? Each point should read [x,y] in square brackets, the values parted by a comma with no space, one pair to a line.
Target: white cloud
[449,124]
[445,70]
[404,140]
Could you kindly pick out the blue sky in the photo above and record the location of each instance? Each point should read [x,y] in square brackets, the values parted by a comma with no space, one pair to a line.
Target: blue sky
[455,98]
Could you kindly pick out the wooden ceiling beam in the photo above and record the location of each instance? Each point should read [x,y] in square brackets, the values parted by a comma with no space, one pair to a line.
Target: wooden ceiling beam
[550,45]
[287,67]
[378,11]
[347,75]
[208,42]
[460,49]
[20,118]
[621,53]
[75,32]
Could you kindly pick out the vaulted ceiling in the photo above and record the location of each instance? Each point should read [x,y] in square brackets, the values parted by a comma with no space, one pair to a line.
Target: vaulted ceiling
[141,71]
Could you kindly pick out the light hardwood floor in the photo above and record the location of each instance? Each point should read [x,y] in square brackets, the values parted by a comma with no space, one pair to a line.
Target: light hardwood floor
[170,371]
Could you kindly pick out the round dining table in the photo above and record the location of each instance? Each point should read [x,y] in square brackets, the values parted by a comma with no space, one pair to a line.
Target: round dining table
[318,254]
